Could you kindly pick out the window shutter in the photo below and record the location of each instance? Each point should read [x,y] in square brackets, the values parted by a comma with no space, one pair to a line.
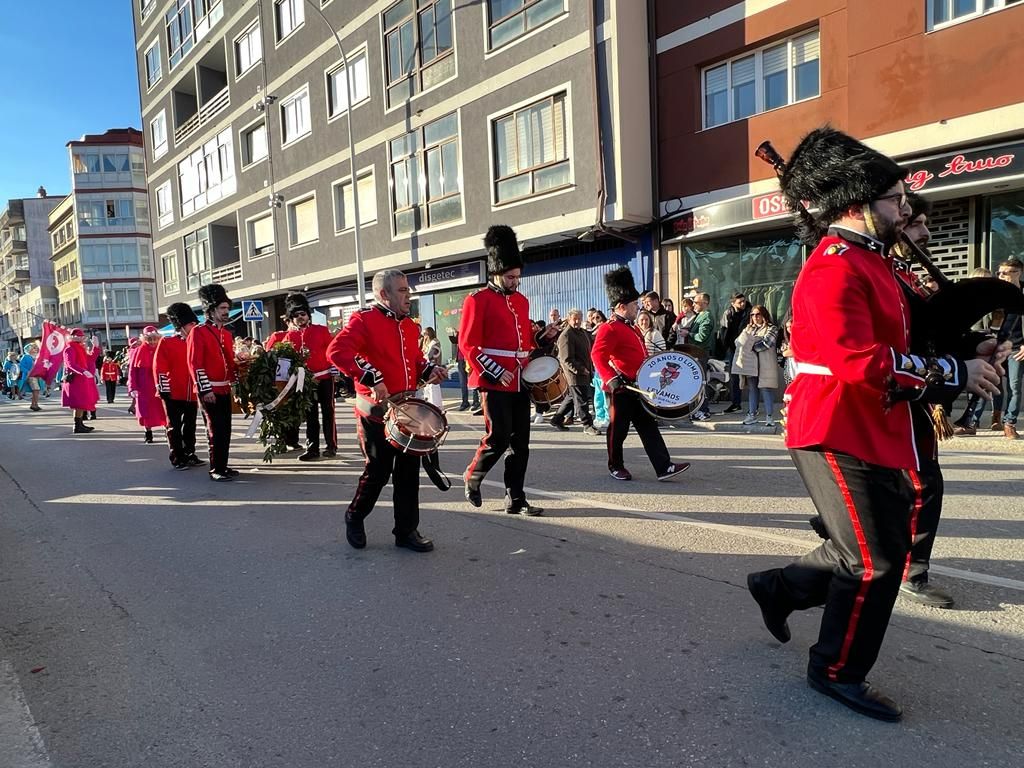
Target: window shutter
[716,80]
[743,71]
[806,49]
[774,59]
[305,221]
[262,233]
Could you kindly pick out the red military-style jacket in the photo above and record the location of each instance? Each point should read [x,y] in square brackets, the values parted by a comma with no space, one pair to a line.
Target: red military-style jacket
[110,371]
[170,369]
[851,342]
[314,339]
[618,349]
[379,346]
[495,336]
[211,359]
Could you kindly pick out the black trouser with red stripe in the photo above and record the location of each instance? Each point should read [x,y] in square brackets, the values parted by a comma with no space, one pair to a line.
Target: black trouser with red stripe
[323,408]
[856,574]
[181,428]
[926,524]
[383,463]
[625,408]
[507,421]
[218,431]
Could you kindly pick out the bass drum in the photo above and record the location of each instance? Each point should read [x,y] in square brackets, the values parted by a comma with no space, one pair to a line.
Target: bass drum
[672,385]
[415,426]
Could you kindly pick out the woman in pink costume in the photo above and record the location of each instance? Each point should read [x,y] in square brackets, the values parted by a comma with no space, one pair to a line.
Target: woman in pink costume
[149,410]
[78,390]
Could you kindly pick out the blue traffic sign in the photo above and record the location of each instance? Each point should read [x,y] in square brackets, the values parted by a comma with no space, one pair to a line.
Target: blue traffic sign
[252,310]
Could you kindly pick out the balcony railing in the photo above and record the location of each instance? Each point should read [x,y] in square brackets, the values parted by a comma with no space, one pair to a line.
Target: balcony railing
[206,113]
[229,273]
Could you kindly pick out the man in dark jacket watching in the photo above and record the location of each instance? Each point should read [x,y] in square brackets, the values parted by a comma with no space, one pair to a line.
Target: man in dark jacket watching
[574,354]
[663,320]
[734,320]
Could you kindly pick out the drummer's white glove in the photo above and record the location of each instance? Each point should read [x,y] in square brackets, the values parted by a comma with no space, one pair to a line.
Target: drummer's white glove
[380,392]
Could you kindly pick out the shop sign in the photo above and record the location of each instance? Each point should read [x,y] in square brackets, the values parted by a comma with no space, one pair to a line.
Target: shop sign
[769,206]
[975,166]
[444,278]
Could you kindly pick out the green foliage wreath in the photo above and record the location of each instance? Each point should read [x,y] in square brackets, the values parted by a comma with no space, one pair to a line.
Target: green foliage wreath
[257,388]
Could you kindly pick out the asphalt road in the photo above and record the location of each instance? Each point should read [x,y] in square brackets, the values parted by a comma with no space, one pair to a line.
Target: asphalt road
[153,618]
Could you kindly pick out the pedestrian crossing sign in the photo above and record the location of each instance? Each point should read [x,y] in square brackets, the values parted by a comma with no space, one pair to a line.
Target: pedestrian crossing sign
[252,310]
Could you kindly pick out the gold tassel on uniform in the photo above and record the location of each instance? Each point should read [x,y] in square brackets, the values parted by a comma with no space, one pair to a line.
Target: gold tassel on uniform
[941,423]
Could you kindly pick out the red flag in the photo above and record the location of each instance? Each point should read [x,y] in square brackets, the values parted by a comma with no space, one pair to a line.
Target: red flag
[51,352]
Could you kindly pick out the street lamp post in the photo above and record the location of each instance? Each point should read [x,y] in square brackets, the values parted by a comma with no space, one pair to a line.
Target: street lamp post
[106,317]
[350,83]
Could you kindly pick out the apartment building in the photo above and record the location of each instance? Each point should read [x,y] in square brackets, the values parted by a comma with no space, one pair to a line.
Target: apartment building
[24,267]
[930,82]
[101,241]
[532,113]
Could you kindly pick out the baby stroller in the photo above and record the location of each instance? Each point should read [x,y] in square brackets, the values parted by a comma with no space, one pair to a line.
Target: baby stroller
[716,388]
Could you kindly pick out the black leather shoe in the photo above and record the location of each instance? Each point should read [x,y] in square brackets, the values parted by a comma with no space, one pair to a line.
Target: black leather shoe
[732,409]
[219,478]
[861,697]
[524,508]
[355,533]
[415,542]
[926,594]
[194,461]
[474,497]
[330,453]
[309,456]
[774,617]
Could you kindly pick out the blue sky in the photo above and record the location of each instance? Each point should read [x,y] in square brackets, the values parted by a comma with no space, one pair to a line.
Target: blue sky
[68,69]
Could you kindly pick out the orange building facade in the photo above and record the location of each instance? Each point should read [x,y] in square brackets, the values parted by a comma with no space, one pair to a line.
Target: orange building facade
[933,83]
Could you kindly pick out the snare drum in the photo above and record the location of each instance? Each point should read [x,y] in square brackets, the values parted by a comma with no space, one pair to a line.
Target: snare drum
[672,384]
[545,380]
[415,426]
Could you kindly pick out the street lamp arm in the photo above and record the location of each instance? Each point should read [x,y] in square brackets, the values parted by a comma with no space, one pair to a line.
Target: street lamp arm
[350,83]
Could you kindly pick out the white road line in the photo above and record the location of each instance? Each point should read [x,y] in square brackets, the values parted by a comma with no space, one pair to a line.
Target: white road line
[22,743]
[752,533]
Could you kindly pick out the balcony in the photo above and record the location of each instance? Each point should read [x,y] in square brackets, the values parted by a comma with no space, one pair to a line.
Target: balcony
[229,273]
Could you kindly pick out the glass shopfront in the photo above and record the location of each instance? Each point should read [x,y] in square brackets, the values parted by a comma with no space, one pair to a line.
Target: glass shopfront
[1005,228]
[447,318]
[763,266]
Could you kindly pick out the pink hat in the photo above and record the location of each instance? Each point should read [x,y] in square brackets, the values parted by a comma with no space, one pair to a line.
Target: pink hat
[150,330]
[77,333]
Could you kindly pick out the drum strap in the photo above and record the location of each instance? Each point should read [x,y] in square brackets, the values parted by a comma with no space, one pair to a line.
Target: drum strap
[817,370]
[432,466]
[506,353]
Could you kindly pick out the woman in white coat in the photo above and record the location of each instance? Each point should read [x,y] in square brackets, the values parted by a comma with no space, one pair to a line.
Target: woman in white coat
[756,359]
[432,352]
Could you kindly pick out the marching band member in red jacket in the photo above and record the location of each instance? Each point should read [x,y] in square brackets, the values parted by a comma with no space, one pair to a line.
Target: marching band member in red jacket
[174,383]
[313,340]
[379,349]
[211,362]
[848,424]
[496,339]
[618,352]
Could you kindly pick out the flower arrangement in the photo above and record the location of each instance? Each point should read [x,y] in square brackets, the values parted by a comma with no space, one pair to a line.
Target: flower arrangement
[260,388]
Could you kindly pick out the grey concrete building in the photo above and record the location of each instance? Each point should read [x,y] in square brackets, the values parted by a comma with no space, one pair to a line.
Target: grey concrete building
[24,265]
[532,113]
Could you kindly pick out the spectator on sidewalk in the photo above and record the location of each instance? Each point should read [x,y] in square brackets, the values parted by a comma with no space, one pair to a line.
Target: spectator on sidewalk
[670,309]
[702,334]
[653,339]
[12,376]
[29,383]
[431,349]
[756,360]
[463,370]
[968,422]
[660,317]
[734,319]
[574,346]
[684,320]
[1013,330]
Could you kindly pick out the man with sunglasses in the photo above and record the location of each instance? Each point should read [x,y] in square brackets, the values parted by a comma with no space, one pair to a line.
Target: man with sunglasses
[312,340]
[848,423]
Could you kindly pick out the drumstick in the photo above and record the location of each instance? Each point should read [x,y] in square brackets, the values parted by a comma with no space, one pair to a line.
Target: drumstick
[648,393]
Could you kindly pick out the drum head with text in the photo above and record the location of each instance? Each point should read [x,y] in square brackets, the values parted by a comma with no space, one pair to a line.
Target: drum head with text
[671,381]
[540,369]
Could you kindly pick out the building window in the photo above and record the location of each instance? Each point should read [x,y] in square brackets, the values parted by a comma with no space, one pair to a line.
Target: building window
[288,16]
[106,213]
[942,12]
[164,205]
[509,19]
[344,205]
[158,134]
[146,6]
[768,78]
[120,259]
[180,31]
[153,70]
[337,84]
[425,185]
[197,258]
[261,237]
[169,271]
[295,117]
[419,46]
[531,153]
[248,49]
[254,144]
[302,224]
[207,174]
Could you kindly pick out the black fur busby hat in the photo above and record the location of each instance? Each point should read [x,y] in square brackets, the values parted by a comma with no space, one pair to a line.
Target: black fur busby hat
[213,294]
[833,171]
[502,250]
[180,315]
[619,286]
[296,302]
